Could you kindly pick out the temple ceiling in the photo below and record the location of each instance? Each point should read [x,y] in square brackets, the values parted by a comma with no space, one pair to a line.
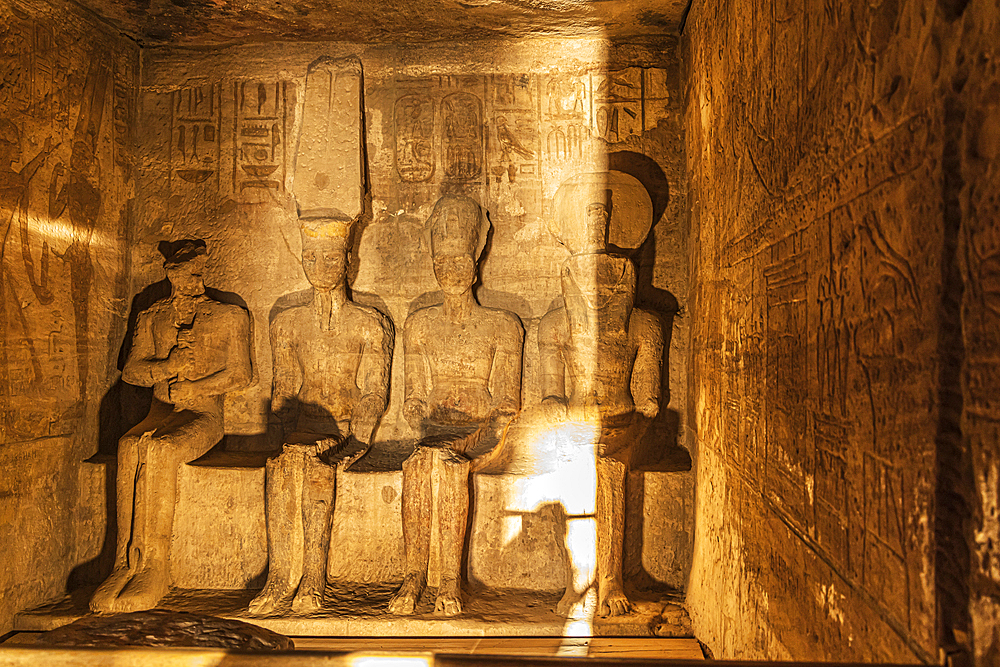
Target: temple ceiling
[158,23]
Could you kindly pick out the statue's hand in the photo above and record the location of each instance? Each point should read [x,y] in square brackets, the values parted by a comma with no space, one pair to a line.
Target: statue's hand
[365,418]
[414,412]
[182,392]
[554,409]
[180,361]
[648,408]
[504,410]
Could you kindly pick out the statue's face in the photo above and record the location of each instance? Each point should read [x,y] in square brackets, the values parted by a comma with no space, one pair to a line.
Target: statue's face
[324,261]
[186,279]
[598,277]
[455,271]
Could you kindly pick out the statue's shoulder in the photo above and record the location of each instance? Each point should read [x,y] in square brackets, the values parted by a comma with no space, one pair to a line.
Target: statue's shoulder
[555,316]
[288,319]
[226,311]
[505,320]
[157,309]
[371,318]
[425,316]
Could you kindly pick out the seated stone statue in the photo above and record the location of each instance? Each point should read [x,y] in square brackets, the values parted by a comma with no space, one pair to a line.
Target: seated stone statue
[600,363]
[331,381]
[192,350]
[463,386]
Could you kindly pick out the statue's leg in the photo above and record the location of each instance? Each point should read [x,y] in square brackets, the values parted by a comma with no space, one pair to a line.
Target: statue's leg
[416,499]
[282,489]
[581,549]
[318,487]
[183,438]
[125,482]
[611,600]
[453,512]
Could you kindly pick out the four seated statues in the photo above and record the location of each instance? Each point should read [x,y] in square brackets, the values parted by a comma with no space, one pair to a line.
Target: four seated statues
[599,363]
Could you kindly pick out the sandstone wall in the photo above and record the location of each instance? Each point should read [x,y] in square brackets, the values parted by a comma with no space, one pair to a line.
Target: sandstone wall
[68,96]
[840,177]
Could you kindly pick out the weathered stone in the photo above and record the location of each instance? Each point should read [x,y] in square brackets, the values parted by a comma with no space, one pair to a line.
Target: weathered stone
[165,628]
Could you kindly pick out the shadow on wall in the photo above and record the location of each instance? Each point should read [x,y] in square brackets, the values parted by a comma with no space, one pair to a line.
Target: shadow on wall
[660,442]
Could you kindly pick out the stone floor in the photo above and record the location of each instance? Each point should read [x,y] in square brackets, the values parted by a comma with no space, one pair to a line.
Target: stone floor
[358,610]
[608,648]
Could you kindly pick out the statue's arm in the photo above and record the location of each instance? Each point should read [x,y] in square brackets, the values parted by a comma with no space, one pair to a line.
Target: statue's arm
[373,378]
[236,374]
[142,368]
[552,368]
[287,374]
[648,363]
[416,372]
[505,375]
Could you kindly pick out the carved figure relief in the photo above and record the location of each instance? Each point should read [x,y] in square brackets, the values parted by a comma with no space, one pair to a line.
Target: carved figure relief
[79,198]
[14,209]
[463,386]
[600,356]
[191,350]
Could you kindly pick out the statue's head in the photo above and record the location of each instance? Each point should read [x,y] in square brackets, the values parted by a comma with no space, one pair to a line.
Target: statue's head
[458,230]
[601,278]
[606,211]
[324,251]
[185,264]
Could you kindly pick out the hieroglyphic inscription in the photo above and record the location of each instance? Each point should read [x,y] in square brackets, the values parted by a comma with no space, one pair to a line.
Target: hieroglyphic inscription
[414,127]
[566,111]
[15,65]
[124,115]
[260,130]
[786,278]
[463,136]
[196,134]
[515,124]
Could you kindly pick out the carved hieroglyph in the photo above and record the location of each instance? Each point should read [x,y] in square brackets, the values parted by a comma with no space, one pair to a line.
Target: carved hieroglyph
[463,386]
[192,350]
[331,357]
[600,356]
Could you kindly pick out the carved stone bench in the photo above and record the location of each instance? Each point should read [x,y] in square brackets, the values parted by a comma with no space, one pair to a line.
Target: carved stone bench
[517,532]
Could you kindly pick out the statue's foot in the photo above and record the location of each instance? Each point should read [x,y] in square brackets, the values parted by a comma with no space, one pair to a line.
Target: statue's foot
[270,599]
[449,599]
[308,600]
[143,591]
[577,605]
[566,602]
[612,600]
[104,597]
[404,602]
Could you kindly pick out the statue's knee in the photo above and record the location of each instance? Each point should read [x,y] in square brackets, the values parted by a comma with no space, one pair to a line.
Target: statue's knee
[128,447]
[419,457]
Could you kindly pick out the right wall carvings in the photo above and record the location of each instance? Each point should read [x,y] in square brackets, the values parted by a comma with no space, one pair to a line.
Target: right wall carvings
[845,354]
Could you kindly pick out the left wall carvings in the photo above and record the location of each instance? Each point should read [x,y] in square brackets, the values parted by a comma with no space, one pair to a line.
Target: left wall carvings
[68,99]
